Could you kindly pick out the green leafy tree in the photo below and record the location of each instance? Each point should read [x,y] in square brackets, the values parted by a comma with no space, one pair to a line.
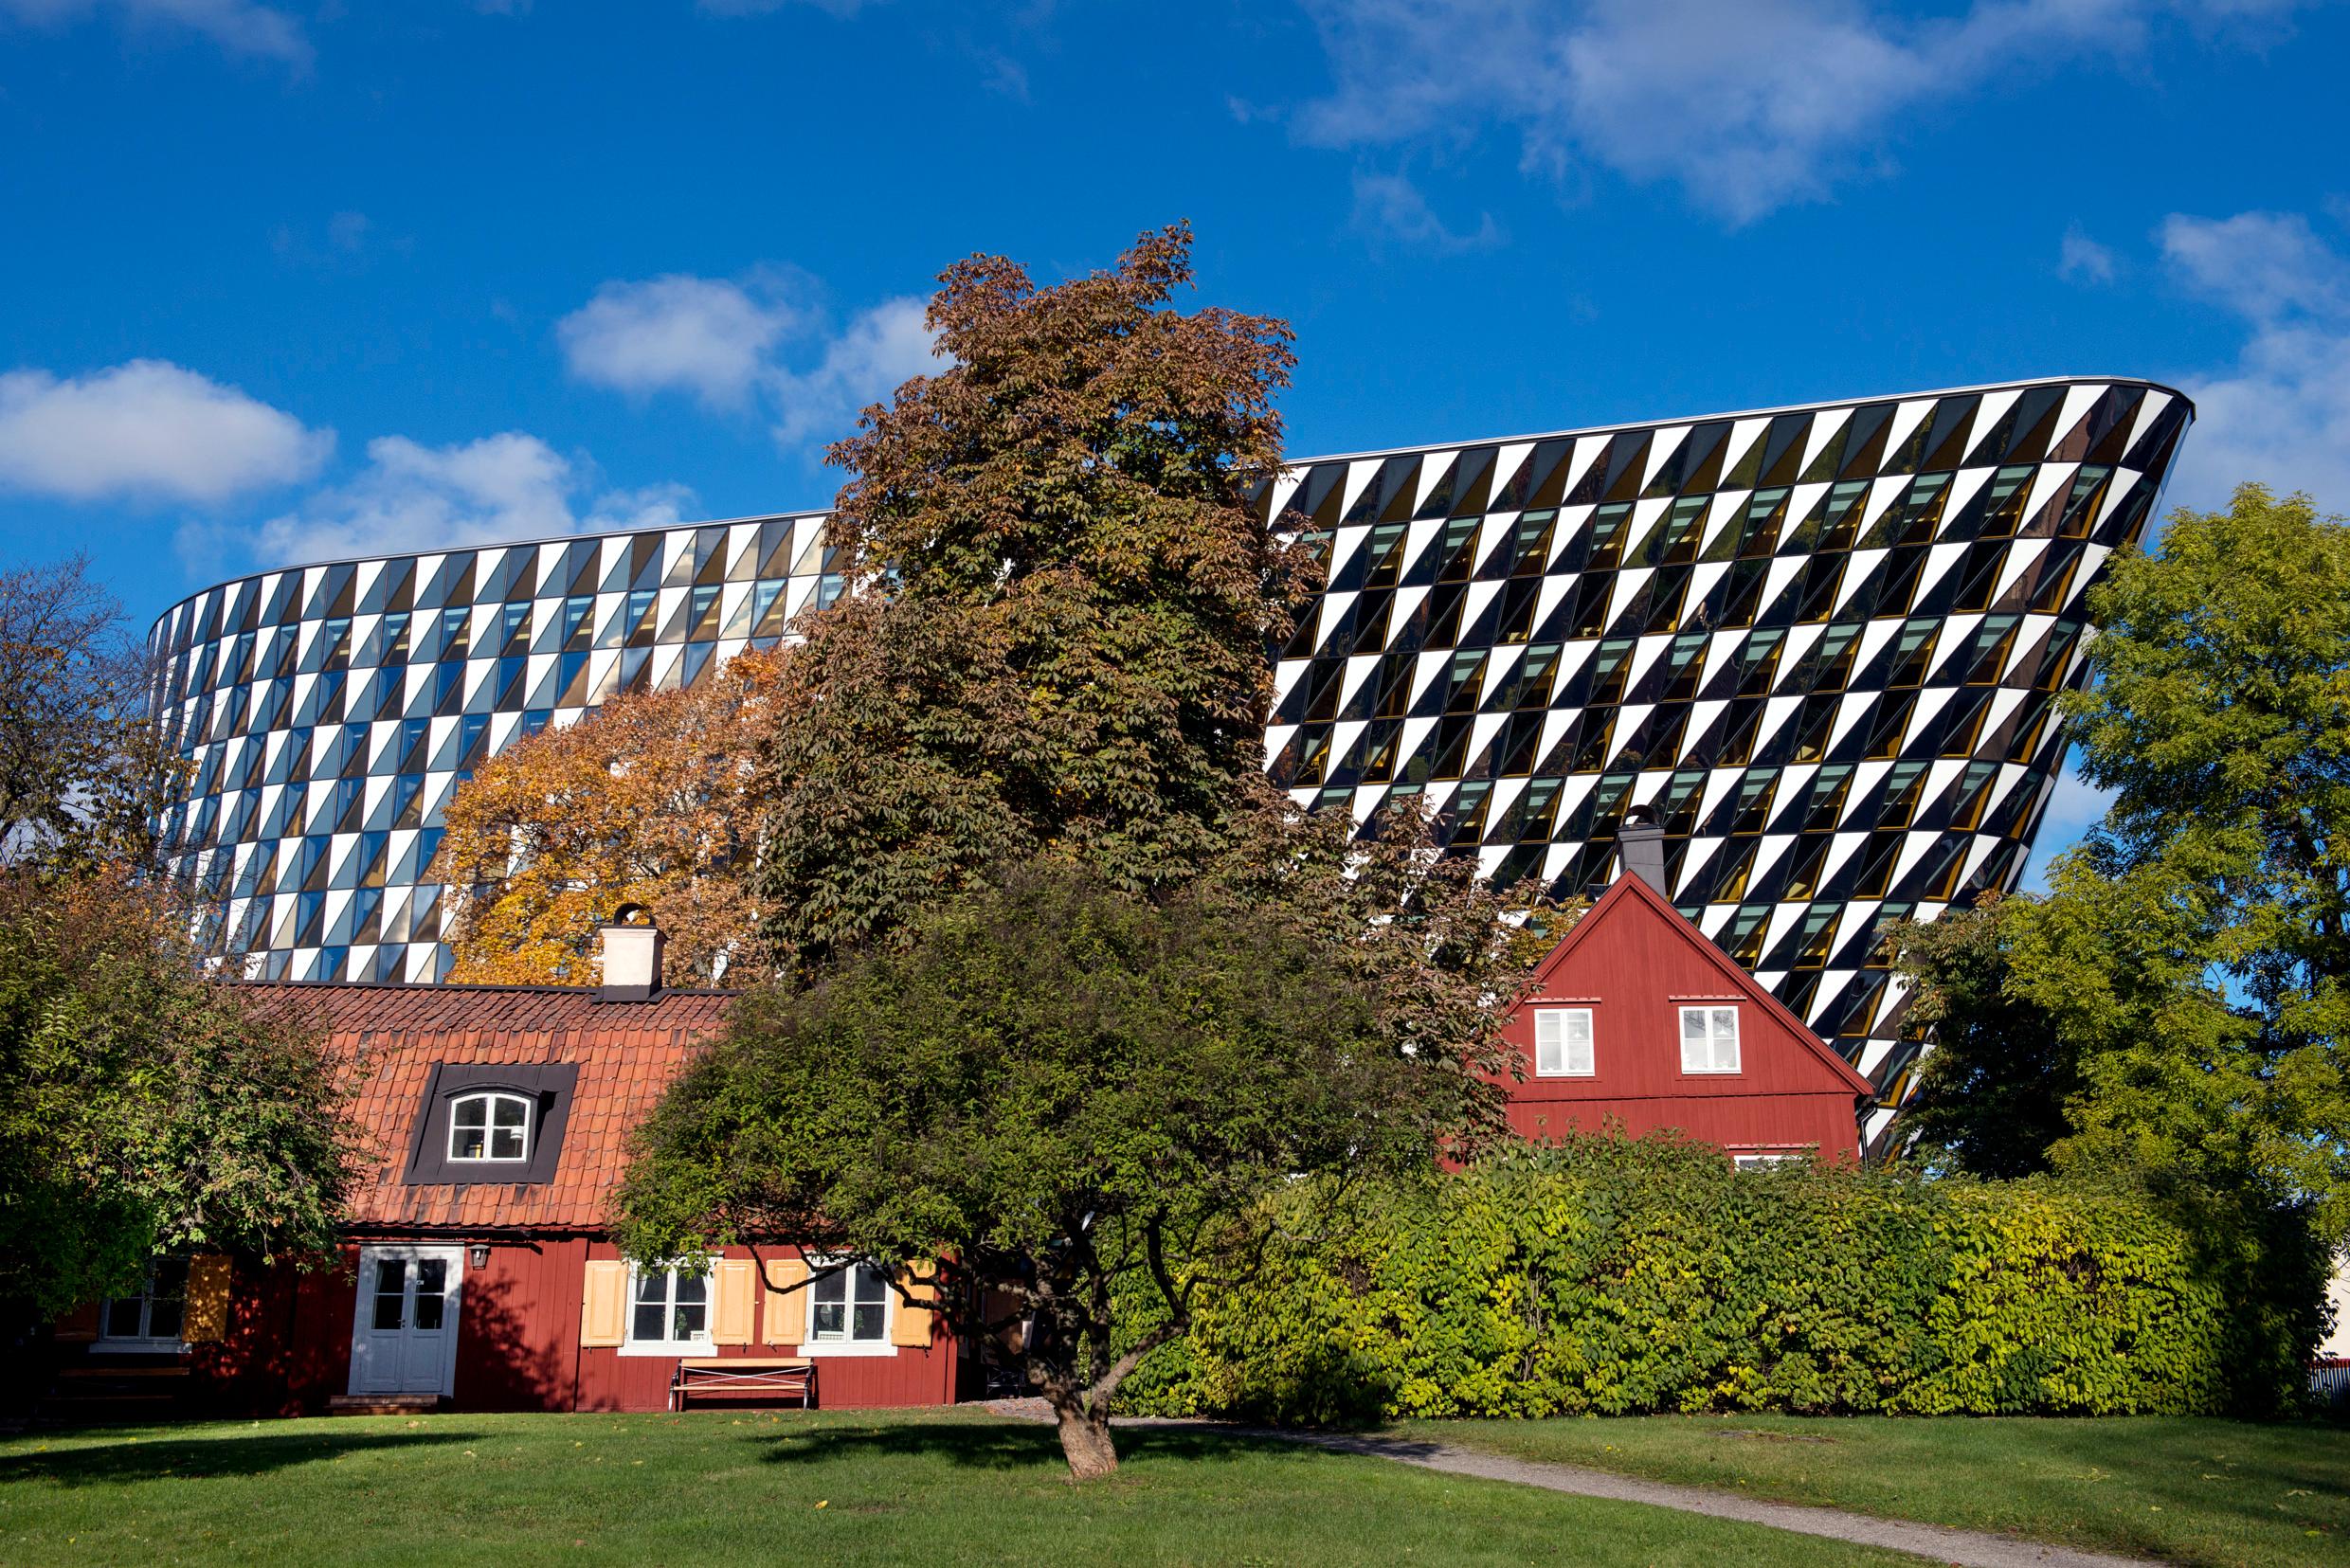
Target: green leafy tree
[1991,1095]
[1058,602]
[143,1108]
[2181,986]
[1058,1094]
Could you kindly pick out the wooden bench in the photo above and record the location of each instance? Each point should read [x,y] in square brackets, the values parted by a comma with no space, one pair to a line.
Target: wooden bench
[733,1376]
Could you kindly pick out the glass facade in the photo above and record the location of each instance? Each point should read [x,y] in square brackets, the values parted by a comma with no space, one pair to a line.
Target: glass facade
[1822,643]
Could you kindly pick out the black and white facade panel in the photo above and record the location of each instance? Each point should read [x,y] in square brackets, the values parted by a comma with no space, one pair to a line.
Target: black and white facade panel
[1822,644]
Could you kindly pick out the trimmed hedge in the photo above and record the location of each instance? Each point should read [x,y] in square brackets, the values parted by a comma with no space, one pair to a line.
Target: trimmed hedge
[1610,1276]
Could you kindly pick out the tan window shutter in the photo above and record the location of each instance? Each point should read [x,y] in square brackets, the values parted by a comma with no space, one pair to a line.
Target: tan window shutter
[787,1301]
[603,1303]
[209,1276]
[732,1279]
[78,1325]
[911,1325]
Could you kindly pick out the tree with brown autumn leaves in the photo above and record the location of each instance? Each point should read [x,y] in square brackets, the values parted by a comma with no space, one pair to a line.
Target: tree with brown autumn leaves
[1059,602]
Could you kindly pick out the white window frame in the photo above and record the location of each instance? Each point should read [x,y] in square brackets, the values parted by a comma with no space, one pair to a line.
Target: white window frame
[703,1346]
[1711,1014]
[143,1342]
[1761,1160]
[489,1127]
[1560,1022]
[820,1268]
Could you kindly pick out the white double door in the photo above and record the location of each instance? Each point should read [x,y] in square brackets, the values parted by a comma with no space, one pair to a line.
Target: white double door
[403,1334]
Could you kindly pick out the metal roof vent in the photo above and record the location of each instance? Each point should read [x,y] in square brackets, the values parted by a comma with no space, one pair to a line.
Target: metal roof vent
[1640,842]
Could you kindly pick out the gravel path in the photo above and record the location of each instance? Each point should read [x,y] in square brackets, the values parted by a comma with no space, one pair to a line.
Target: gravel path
[1970,1548]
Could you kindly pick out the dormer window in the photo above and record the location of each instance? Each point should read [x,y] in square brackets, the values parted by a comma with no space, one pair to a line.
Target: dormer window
[490,1127]
[491,1121]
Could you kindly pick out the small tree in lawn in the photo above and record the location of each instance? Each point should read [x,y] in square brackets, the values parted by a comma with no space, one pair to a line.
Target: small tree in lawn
[1046,1083]
[1056,1088]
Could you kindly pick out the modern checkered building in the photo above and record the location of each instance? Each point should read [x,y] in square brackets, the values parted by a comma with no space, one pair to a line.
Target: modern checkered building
[1822,643]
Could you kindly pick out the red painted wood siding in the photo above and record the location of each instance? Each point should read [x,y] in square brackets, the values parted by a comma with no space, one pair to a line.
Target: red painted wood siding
[609,1380]
[288,1347]
[1635,968]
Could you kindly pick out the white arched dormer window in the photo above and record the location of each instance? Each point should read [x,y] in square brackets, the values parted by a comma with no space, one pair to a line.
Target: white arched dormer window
[490,1126]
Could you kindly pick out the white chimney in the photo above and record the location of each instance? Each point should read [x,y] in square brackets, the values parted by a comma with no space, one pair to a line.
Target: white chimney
[632,956]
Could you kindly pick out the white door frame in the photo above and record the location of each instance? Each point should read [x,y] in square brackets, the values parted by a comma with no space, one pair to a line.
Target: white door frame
[452,1309]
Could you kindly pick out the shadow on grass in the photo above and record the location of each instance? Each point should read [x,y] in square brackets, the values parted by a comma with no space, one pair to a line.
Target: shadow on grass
[197,1458]
[1005,1445]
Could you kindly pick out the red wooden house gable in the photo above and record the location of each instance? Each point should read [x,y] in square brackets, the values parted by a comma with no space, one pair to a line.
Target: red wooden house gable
[1630,966]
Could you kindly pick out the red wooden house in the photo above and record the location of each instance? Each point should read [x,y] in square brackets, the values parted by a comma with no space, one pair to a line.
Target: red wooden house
[478,1271]
[1635,1018]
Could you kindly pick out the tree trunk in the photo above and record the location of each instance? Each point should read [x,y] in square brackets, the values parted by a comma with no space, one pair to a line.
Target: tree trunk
[1086,1442]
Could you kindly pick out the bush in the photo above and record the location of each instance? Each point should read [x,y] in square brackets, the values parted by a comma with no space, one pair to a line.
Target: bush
[1609,1276]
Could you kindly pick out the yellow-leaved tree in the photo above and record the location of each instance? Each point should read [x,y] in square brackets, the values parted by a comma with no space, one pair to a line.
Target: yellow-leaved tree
[646,801]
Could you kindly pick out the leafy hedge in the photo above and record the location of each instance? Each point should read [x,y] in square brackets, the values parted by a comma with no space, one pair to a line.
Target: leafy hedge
[1610,1276]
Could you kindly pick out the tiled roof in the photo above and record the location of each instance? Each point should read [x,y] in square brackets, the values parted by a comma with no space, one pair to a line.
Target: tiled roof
[391,1036]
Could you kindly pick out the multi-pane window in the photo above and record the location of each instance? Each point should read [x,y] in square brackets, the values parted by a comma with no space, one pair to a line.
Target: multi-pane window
[401,1302]
[490,1127]
[849,1305]
[1563,1043]
[669,1306]
[156,1312]
[1708,1039]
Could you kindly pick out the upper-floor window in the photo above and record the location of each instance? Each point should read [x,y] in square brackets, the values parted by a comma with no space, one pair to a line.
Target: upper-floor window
[1708,1039]
[850,1305]
[490,1127]
[157,1314]
[1563,1043]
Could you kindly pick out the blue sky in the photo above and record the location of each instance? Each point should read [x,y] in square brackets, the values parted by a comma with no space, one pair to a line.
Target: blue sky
[281,278]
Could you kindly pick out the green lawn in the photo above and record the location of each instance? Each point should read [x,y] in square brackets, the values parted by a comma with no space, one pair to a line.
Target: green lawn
[830,1488]
[2192,1491]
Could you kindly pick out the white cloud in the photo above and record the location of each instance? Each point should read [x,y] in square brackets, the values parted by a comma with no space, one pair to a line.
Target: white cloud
[733,344]
[239,27]
[1390,205]
[2082,259]
[2265,266]
[495,490]
[147,430]
[1748,104]
[2281,415]
[702,335]
[880,348]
